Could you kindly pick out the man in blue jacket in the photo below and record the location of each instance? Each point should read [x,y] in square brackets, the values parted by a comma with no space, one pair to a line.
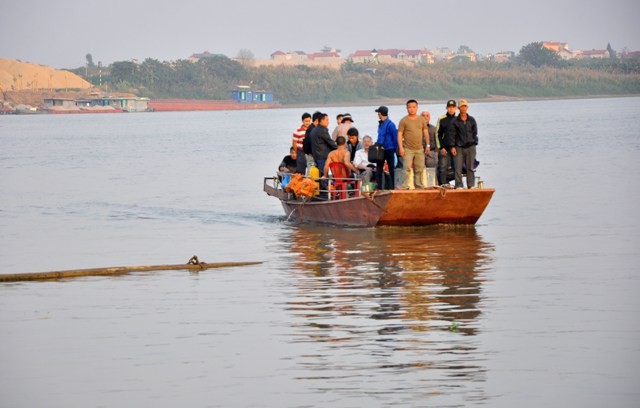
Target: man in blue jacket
[388,138]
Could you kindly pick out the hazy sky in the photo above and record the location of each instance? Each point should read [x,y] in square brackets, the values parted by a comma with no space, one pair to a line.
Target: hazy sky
[61,33]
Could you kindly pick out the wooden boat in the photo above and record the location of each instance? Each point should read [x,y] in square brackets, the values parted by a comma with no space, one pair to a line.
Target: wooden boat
[386,207]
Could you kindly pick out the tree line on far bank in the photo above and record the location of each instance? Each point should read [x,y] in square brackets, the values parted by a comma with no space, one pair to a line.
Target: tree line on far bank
[535,72]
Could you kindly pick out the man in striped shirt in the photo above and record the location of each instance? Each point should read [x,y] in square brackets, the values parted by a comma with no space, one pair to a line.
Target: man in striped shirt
[298,139]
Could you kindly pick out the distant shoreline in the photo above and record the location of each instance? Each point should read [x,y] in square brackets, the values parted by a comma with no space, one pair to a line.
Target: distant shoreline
[32,98]
[495,98]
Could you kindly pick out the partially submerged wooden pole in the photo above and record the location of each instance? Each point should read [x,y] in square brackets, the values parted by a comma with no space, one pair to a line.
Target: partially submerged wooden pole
[193,265]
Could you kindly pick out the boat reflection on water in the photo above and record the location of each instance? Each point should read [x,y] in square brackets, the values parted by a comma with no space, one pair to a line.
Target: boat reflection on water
[428,276]
[395,298]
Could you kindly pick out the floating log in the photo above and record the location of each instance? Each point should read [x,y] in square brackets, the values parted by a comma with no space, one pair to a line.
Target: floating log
[193,265]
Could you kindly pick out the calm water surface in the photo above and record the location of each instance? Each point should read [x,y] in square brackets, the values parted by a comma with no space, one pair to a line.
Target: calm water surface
[537,305]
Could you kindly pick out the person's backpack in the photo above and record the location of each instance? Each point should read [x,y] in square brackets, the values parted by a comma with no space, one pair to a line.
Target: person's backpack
[376,153]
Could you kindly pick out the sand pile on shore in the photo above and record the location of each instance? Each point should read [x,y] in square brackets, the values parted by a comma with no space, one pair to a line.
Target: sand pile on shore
[15,75]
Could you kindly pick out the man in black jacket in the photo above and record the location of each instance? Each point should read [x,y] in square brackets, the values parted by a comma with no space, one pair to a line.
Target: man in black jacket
[464,132]
[321,141]
[306,143]
[444,144]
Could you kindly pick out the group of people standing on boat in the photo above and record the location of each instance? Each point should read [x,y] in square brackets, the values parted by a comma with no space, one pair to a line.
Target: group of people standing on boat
[415,142]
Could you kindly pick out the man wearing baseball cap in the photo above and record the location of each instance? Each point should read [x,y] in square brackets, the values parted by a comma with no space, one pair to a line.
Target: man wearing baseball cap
[444,145]
[464,132]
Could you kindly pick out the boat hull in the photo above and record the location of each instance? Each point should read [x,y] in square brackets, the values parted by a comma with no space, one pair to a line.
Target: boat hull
[435,206]
[388,207]
[350,212]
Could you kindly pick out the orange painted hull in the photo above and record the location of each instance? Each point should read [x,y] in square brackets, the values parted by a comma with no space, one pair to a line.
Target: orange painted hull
[424,207]
[389,207]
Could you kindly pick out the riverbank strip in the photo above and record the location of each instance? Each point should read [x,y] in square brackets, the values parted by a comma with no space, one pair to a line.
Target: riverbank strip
[493,98]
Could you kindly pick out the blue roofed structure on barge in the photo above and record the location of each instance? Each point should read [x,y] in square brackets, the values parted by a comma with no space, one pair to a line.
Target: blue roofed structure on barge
[244,94]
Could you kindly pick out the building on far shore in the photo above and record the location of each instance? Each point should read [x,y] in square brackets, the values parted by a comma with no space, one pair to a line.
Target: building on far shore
[299,56]
[362,56]
[630,55]
[594,54]
[564,52]
[463,57]
[391,56]
[567,54]
[502,56]
[555,46]
[442,53]
[561,48]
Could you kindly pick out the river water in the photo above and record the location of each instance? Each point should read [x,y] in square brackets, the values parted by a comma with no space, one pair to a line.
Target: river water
[537,305]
